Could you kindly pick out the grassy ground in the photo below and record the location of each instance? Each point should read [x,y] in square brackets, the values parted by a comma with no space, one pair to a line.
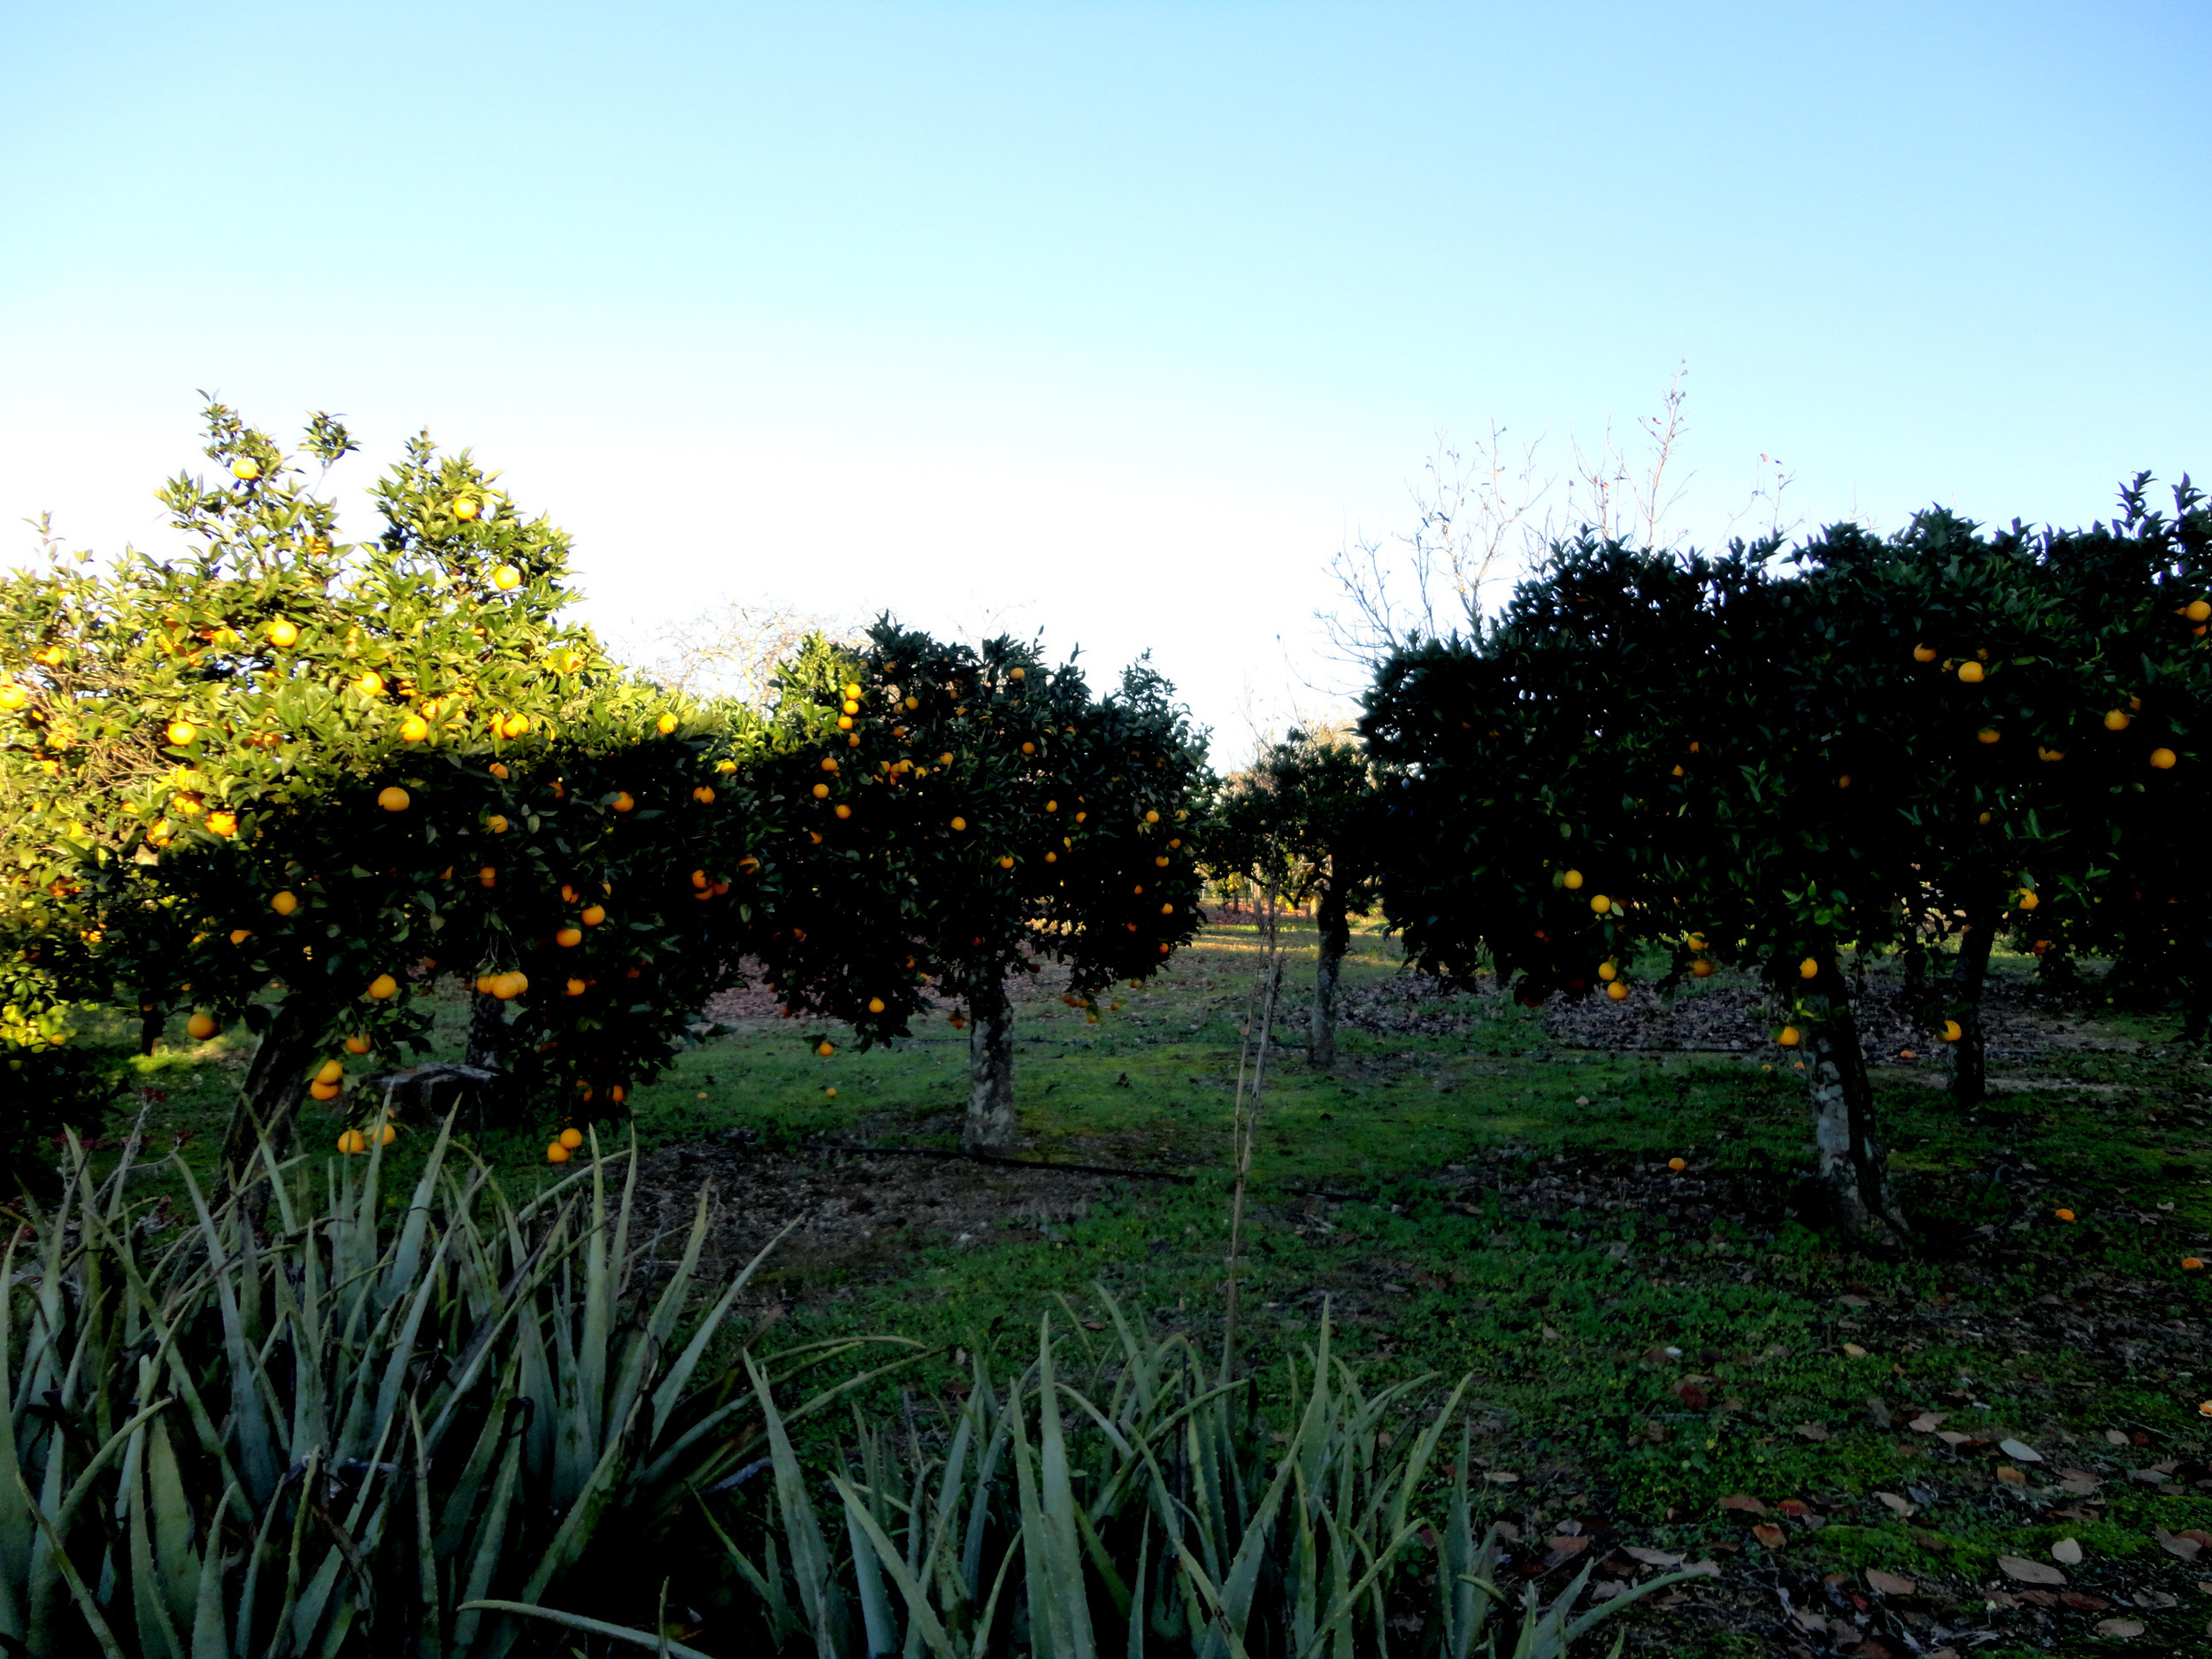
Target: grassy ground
[1464,1193]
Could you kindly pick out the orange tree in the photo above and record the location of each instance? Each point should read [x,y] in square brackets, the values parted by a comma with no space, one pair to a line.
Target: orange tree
[1302,822]
[954,816]
[1641,753]
[294,782]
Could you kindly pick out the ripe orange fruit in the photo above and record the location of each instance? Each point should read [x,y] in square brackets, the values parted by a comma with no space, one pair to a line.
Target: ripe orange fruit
[507,987]
[330,1072]
[383,987]
[1052,858]
[357,1045]
[1052,806]
[1571,879]
[496,823]
[2199,610]
[1987,734]
[843,811]
[569,937]
[622,802]
[370,685]
[1601,904]
[487,877]
[556,1154]
[1788,1037]
[1618,990]
[960,822]
[392,798]
[245,469]
[284,904]
[506,578]
[2116,719]
[2191,1264]
[2163,759]
[200,1027]
[875,1005]
[1029,748]
[2063,1215]
[1970,673]
[1006,861]
[1808,969]
[2028,901]
[385,1135]
[572,1138]
[181,732]
[1151,817]
[1608,971]
[703,796]
[223,823]
[352,1141]
[1953,1031]
[1676,1165]
[594,914]
[1923,653]
[413,729]
[826,1048]
[665,725]
[821,792]
[1703,968]
[282,634]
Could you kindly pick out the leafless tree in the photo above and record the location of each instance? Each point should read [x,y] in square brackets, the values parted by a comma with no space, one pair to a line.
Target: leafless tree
[1629,497]
[1474,513]
[733,650]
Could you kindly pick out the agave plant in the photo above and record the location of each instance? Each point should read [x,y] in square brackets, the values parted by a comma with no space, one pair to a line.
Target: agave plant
[316,1436]
[1147,1510]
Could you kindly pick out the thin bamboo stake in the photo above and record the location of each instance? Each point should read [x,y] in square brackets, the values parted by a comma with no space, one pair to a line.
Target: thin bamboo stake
[1244,1127]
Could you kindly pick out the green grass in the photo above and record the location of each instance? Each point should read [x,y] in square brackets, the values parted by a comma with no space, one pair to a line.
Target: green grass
[1397,1191]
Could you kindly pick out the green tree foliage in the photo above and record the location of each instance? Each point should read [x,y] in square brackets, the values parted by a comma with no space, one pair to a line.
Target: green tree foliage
[275,763]
[1879,745]
[1302,822]
[956,815]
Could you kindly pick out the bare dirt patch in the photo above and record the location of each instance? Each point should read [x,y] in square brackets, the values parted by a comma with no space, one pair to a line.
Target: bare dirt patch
[859,1216]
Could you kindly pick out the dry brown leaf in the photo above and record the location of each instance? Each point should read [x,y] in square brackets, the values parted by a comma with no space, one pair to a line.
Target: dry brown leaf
[1654,1557]
[1706,1569]
[2113,1436]
[2148,1477]
[2006,1472]
[1500,1477]
[1853,1350]
[2067,1550]
[1895,1502]
[1772,1536]
[2082,1604]
[2019,1453]
[2184,1547]
[1745,1501]
[2030,1571]
[1550,1335]
[2123,1627]
[1952,1437]
[1926,1422]
[1889,1583]
[1813,1430]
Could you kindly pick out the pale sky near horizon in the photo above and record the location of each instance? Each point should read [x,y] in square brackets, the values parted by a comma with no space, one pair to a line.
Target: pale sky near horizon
[1113,321]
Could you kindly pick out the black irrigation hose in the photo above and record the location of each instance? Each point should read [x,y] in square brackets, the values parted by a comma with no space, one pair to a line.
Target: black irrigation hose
[1017,1164]
[1072,1169]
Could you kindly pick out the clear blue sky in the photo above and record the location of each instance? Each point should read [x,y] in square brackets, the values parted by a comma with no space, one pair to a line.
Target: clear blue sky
[1112,320]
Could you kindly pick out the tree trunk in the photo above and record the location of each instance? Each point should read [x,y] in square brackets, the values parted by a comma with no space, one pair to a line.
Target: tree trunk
[1854,1171]
[270,1097]
[488,1031]
[990,1127]
[151,1022]
[1968,1059]
[1336,939]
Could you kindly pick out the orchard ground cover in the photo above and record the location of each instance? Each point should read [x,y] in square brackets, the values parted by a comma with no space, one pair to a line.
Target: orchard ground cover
[1665,1361]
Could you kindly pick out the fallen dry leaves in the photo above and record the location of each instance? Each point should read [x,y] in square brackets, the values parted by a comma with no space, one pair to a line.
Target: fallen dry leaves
[2030,1571]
